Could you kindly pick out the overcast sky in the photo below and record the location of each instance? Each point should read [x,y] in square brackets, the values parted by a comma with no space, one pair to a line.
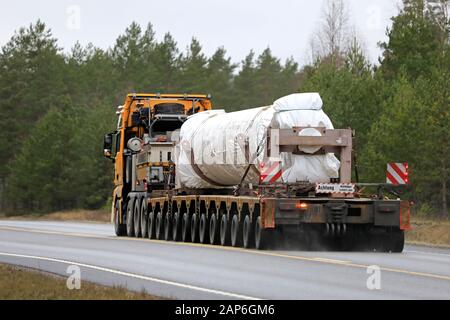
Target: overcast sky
[238,25]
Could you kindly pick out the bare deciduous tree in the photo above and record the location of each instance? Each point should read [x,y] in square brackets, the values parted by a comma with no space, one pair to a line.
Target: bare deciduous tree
[331,39]
[440,11]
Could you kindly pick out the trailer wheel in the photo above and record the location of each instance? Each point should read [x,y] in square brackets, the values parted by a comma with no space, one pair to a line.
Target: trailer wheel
[236,231]
[137,218]
[158,226]
[176,227]
[144,217]
[194,228]
[120,229]
[151,225]
[261,236]
[225,234]
[203,228]
[213,229]
[379,242]
[129,217]
[185,224]
[167,225]
[396,241]
[248,229]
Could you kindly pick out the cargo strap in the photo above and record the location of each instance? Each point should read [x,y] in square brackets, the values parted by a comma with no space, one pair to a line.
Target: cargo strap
[253,167]
[195,167]
[200,173]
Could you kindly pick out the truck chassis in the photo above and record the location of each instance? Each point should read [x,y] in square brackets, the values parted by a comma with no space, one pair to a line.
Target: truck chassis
[266,223]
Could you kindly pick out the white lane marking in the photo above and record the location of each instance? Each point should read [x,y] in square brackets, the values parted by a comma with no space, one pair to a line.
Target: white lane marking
[132,275]
[332,260]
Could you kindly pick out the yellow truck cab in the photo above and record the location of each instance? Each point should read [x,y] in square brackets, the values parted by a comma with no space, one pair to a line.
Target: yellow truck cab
[147,121]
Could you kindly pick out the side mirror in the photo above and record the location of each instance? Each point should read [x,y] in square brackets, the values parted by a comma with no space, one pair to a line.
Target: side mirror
[107,145]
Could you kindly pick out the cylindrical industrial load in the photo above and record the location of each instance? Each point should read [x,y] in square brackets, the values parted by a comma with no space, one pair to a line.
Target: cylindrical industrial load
[215,148]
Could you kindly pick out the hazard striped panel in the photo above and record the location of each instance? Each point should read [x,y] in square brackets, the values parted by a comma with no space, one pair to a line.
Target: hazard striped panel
[271,172]
[397,174]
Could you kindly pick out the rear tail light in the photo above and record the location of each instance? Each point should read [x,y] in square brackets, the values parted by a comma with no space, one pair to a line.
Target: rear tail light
[302,206]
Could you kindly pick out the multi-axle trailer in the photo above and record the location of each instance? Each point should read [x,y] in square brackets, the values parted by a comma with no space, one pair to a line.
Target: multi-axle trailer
[147,202]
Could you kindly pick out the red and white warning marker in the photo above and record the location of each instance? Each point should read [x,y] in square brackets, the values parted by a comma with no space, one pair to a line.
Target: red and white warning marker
[397,173]
[271,172]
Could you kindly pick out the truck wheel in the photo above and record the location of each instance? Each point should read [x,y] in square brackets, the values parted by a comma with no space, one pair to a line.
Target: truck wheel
[158,226]
[151,225]
[194,228]
[379,242]
[120,229]
[130,220]
[225,234]
[213,229]
[203,228]
[185,227]
[144,217]
[167,226]
[396,241]
[248,229]
[137,218]
[176,227]
[236,231]
[263,237]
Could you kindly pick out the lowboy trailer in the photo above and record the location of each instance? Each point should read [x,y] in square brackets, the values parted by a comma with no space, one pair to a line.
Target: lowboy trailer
[148,203]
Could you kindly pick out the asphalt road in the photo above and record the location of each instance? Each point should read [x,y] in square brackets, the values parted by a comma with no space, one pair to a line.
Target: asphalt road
[193,271]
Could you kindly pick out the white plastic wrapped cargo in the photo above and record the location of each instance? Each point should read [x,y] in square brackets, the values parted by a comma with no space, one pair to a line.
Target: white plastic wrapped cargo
[305,110]
[209,154]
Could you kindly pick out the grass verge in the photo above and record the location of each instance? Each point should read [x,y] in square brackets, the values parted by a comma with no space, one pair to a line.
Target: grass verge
[429,232]
[74,215]
[18,283]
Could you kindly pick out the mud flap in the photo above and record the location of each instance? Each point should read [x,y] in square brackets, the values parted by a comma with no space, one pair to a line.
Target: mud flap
[405,216]
[268,213]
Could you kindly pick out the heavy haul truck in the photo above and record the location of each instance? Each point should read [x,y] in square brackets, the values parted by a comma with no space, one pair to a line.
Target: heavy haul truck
[150,202]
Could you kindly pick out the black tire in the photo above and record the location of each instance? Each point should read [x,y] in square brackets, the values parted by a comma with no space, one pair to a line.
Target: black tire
[213,230]
[361,240]
[119,228]
[396,241]
[194,228]
[203,228]
[262,236]
[236,231]
[185,227]
[176,227]
[379,242]
[159,226]
[225,231]
[144,218]
[304,238]
[167,227]
[248,237]
[129,217]
[151,226]
[137,218]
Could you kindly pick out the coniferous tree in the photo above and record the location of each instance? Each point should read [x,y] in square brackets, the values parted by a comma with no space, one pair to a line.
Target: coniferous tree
[268,77]
[193,68]
[166,65]
[220,77]
[413,42]
[41,178]
[32,69]
[245,85]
